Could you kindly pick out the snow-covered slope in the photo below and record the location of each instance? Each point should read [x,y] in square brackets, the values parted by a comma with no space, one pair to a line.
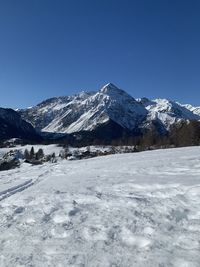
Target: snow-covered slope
[195,110]
[120,210]
[86,111]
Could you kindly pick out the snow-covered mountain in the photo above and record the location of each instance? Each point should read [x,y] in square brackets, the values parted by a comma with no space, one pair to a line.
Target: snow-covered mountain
[167,112]
[12,125]
[195,110]
[88,111]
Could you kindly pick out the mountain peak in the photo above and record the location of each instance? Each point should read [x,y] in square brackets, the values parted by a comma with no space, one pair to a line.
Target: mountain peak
[114,92]
[109,87]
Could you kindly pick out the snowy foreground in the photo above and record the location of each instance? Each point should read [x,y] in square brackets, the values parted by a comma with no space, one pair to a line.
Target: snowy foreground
[140,209]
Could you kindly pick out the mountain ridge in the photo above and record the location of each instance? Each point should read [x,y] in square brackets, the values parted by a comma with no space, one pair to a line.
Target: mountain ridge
[85,111]
[104,114]
[88,110]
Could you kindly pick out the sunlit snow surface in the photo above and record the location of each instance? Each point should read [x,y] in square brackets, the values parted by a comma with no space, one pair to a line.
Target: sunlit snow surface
[140,209]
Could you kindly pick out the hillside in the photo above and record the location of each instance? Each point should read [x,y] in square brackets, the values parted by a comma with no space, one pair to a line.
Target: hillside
[13,126]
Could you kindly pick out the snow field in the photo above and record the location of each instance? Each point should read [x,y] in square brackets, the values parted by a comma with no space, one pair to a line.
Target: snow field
[124,210]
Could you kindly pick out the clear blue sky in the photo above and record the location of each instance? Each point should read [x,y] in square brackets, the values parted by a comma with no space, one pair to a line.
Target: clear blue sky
[59,47]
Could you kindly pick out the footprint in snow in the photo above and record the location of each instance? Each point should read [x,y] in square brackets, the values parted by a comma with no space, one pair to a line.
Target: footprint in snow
[73,212]
[19,210]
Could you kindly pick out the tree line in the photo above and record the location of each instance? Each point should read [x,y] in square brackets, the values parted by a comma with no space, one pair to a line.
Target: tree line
[184,133]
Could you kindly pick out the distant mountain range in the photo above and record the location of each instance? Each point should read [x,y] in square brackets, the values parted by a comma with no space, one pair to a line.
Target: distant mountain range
[107,113]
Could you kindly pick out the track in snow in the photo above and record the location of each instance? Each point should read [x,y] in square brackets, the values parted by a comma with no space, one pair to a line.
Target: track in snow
[15,189]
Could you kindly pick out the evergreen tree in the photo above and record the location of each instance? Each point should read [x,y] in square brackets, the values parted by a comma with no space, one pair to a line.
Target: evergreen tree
[32,153]
[26,154]
[40,154]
